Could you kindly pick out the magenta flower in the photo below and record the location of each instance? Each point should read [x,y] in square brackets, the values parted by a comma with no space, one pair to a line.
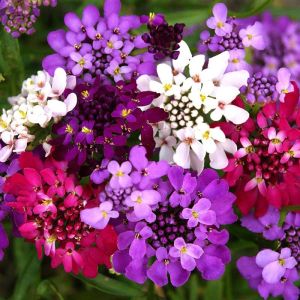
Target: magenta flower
[82,62]
[276,140]
[120,176]
[294,151]
[199,213]
[142,201]
[187,253]
[219,19]
[98,217]
[253,36]
[274,264]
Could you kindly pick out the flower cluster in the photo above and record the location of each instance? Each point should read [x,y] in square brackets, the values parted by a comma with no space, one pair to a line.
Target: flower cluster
[274,272]
[103,120]
[40,101]
[195,99]
[168,220]
[19,16]
[51,202]
[96,45]
[264,169]
[282,38]
[230,35]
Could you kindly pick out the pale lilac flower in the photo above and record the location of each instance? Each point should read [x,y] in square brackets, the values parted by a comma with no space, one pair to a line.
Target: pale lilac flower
[98,217]
[116,71]
[219,19]
[284,85]
[237,61]
[141,201]
[82,62]
[187,253]
[200,213]
[112,44]
[253,36]
[275,264]
[120,176]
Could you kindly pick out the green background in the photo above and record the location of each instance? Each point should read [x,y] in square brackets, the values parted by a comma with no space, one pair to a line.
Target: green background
[22,275]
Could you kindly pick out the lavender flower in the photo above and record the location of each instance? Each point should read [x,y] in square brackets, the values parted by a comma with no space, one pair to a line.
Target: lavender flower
[157,237]
[96,45]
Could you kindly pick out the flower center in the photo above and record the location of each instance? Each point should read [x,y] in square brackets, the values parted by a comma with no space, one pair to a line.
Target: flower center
[139,200]
[110,45]
[206,135]
[220,24]
[189,140]
[195,214]
[69,129]
[281,261]
[183,250]
[85,94]
[81,62]
[167,87]
[117,71]
[119,174]
[86,130]
[125,112]
[276,141]
[249,36]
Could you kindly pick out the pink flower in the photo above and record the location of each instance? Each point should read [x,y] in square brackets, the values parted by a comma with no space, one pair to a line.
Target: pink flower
[275,140]
[46,205]
[253,36]
[69,257]
[284,86]
[292,152]
[248,148]
[257,181]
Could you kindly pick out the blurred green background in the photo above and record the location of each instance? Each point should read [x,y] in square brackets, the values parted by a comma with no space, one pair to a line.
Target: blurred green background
[22,276]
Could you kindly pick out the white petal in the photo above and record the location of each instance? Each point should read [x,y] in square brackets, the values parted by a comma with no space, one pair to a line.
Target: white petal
[71,82]
[20,145]
[218,159]
[226,94]
[218,64]
[196,163]
[156,86]
[196,65]
[236,79]
[71,101]
[143,82]
[235,114]
[59,81]
[165,73]
[184,57]
[209,145]
[182,156]
[7,137]
[5,153]
[217,114]
[198,150]
[218,134]
[166,153]
[229,146]
[57,108]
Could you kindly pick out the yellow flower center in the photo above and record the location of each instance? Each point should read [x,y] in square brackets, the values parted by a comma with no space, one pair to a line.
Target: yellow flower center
[81,62]
[51,239]
[22,114]
[151,16]
[249,149]
[119,173]
[98,36]
[117,71]
[220,24]
[110,45]
[85,93]
[202,97]
[206,135]
[259,180]
[276,141]
[69,129]
[125,112]
[167,87]
[86,130]
[183,250]
[104,214]
[291,153]
[284,91]
[3,124]
[281,261]
[250,36]
[235,60]
[139,200]
[47,202]
[195,214]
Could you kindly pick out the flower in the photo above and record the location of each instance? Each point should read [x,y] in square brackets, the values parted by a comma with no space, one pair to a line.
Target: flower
[219,21]
[98,45]
[252,35]
[51,202]
[283,86]
[156,233]
[98,217]
[192,102]
[120,176]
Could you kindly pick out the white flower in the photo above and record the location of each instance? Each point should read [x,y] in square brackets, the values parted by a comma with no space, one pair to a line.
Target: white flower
[165,142]
[209,136]
[190,152]
[218,159]
[201,96]
[5,120]
[166,85]
[12,145]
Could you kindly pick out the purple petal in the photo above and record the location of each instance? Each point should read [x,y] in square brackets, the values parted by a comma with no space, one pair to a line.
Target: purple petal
[175,175]
[211,267]
[138,248]
[138,158]
[187,262]
[120,261]
[73,22]
[178,275]
[273,272]
[158,273]
[90,15]
[111,7]
[266,257]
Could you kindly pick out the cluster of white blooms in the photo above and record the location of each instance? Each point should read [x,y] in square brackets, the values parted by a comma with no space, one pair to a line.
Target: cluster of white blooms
[195,97]
[41,100]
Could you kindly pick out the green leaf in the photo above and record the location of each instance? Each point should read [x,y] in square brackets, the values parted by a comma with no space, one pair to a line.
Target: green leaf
[188,17]
[193,287]
[214,290]
[258,8]
[11,67]
[28,270]
[48,289]
[113,287]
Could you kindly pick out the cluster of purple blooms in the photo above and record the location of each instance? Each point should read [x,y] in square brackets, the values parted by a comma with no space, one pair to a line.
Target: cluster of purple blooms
[96,45]
[274,273]
[104,118]
[169,221]
[19,16]
[282,37]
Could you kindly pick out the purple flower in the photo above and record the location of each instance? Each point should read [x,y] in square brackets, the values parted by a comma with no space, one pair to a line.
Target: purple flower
[100,174]
[117,71]
[120,177]
[83,62]
[253,36]
[142,201]
[98,217]
[275,264]
[267,224]
[200,213]
[187,253]
[3,241]
[237,61]
[164,265]
[219,20]
[284,86]
[112,43]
